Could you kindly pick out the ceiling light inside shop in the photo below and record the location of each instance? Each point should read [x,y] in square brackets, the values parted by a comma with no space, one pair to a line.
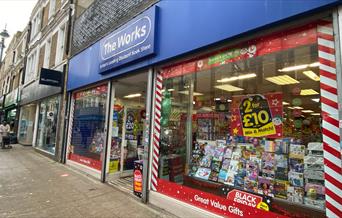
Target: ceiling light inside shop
[299,67]
[298,108]
[282,80]
[285,103]
[308,92]
[315,100]
[217,99]
[229,100]
[171,90]
[229,88]
[234,78]
[290,108]
[307,111]
[133,95]
[316,114]
[311,75]
[186,92]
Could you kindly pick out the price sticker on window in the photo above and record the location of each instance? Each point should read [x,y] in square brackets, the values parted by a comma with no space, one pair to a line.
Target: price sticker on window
[256,117]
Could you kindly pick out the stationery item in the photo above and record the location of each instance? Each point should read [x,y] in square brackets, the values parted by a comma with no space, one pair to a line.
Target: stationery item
[265,186]
[225,164]
[230,179]
[213,176]
[203,173]
[269,146]
[314,175]
[296,165]
[295,194]
[313,162]
[216,165]
[280,189]
[206,161]
[234,166]
[252,168]
[268,165]
[239,181]
[218,153]
[228,152]
[296,179]
[222,177]
[282,146]
[297,151]
[236,155]
[251,185]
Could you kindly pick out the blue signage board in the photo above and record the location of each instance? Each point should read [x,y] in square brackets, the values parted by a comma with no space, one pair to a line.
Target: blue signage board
[132,41]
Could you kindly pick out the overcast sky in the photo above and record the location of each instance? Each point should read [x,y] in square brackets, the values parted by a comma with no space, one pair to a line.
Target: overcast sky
[16,14]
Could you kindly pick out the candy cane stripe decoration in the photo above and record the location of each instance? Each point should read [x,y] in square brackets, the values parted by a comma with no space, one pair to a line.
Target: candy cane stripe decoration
[156,131]
[331,132]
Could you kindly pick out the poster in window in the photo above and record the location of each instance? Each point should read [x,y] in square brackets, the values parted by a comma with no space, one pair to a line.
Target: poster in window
[257,115]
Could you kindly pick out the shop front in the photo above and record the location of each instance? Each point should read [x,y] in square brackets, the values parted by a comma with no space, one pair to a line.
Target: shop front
[228,118]
[243,131]
[39,114]
[107,120]
[10,108]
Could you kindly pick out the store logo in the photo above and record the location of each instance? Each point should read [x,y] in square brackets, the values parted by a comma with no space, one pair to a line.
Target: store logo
[131,36]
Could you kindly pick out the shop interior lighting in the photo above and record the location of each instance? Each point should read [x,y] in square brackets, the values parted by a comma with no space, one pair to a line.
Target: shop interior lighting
[315,99]
[285,103]
[290,108]
[307,111]
[282,80]
[316,114]
[298,108]
[234,78]
[311,75]
[217,99]
[186,92]
[133,95]
[299,67]
[170,90]
[229,88]
[229,100]
[308,92]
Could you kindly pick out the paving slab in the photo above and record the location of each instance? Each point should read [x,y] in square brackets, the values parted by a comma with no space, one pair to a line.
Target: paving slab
[32,185]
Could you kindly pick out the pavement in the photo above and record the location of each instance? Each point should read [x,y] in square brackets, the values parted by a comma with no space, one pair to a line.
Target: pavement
[32,185]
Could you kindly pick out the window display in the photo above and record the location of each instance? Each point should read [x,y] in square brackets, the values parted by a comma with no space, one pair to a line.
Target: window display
[47,124]
[88,136]
[247,118]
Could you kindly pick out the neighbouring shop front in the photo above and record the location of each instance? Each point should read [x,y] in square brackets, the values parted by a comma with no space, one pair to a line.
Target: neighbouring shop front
[242,126]
[10,108]
[39,112]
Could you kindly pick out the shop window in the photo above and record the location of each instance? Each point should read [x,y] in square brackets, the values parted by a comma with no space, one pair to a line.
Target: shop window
[26,124]
[47,124]
[88,136]
[246,118]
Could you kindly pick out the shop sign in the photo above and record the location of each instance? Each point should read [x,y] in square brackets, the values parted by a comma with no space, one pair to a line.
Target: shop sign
[257,115]
[247,199]
[213,203]
[95,164]
[51,77]
[132,41]
[11,98]
[36,91]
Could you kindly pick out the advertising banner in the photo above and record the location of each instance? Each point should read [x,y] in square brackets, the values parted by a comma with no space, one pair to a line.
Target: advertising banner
[257,115]
[237,203]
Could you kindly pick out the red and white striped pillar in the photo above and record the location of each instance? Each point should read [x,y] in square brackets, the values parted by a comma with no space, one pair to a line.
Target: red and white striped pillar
[156,130]
[330,114]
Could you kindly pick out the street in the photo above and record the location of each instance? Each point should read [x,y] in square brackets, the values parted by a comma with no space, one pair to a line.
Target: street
[32,185]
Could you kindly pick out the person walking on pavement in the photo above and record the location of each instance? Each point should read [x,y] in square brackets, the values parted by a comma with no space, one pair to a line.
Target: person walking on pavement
[4,130]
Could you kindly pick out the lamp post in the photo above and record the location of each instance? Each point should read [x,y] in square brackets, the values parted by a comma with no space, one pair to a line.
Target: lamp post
[3,35]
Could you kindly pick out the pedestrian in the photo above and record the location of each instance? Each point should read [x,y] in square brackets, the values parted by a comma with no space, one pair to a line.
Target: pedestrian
[4,131]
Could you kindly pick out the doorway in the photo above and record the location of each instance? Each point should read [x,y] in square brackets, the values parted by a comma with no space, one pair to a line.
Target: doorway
[127,125]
